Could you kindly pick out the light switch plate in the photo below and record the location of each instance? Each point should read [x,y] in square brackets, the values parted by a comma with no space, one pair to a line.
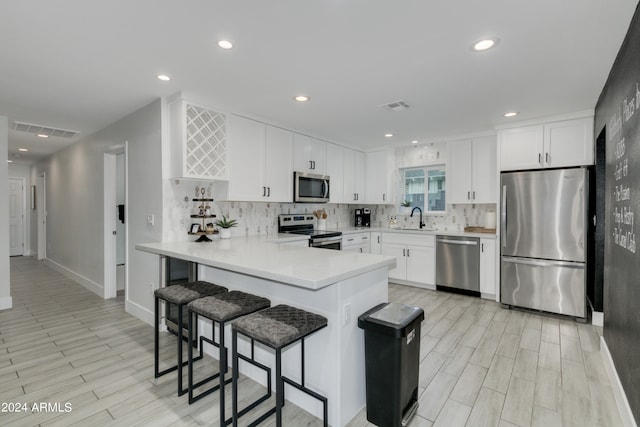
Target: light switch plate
[151,219]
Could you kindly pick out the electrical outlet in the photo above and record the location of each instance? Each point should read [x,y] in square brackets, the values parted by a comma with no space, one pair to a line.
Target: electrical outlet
[346,318]
[151,219]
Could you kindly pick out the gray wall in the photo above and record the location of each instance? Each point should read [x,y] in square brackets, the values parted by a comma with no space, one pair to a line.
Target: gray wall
[622,259]
[5,288]
[75,212]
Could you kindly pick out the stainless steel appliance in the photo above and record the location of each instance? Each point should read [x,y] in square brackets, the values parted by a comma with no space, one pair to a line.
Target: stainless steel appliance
[458,262]
[363,217]
[310,188]
[305,224]
[543,232]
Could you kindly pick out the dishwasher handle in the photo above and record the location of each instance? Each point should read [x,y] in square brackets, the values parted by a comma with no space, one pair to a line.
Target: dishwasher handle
[458,242]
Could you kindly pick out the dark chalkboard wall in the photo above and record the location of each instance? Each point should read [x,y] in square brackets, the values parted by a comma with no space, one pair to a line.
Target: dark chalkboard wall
[618,112]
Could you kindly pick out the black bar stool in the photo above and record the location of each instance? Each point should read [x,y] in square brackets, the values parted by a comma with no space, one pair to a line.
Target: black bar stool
[220,308]
[276,327]
[180,295]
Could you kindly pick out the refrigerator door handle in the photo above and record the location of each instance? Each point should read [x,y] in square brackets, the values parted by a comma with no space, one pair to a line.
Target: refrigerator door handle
[503,214]
[543,263]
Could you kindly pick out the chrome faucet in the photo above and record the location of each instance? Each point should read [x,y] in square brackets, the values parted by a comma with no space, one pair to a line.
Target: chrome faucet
[412,210]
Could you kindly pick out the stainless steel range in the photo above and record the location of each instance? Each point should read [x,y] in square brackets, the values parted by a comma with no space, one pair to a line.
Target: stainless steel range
[306,224]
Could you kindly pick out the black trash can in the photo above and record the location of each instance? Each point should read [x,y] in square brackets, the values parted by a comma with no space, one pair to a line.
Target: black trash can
[392,359]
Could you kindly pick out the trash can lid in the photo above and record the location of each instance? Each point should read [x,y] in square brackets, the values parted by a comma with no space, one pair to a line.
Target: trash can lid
[391,318]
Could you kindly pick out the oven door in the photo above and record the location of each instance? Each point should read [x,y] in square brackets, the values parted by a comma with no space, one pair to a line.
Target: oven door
[310,188]
[334,243]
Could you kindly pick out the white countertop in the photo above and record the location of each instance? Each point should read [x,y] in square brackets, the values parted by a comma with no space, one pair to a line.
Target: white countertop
[310,268]
[355,230]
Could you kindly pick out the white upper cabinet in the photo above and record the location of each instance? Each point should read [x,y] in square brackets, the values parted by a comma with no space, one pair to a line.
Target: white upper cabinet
[548,145]
[199,141]
[260,157]
[310,154]
[278,176]
[335,170]
[471,171]
[379,177]
[353,176]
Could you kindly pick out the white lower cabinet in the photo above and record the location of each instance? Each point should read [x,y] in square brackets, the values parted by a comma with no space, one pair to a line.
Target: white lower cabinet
[488,277]
[415,257]
[358,242]
[376,242]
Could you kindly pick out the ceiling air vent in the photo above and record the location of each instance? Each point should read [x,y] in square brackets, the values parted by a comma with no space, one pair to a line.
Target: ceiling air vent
[396,106]
[43,130]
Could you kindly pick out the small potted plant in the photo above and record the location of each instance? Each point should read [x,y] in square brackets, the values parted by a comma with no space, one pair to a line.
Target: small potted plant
[406,205]
[225,225]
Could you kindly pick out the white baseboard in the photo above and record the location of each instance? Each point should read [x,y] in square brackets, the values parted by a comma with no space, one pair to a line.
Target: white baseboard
[6,303]
[597,318]
[78,278]
[139,311]
[618,392]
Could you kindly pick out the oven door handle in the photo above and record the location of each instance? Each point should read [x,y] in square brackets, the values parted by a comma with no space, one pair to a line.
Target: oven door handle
[324,240]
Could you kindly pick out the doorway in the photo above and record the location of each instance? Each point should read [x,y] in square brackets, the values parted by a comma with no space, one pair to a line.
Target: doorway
[16,216]
[115,223]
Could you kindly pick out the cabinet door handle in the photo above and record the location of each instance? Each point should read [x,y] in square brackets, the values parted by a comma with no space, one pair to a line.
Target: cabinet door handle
[468,195]
[546,155]
[404,252]
[360,250]
[378,239]
[474,195]
[268,191]
[408,253]
[264,191]
[384,197]
[482,247]
[310,164]
[314,164]
[540,158]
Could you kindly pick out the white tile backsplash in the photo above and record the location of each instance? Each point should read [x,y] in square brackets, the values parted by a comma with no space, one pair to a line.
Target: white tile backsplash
[262,217]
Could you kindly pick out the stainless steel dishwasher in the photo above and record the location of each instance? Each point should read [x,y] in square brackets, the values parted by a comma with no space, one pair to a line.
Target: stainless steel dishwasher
[458,262]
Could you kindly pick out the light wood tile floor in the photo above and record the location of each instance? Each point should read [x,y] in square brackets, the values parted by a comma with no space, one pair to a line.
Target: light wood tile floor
[480,364]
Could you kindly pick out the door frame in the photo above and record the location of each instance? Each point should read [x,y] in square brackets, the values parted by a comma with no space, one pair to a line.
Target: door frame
[110,240]
[24,210]
[41,208]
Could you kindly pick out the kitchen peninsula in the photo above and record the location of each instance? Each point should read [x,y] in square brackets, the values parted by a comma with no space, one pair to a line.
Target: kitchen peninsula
[335,284]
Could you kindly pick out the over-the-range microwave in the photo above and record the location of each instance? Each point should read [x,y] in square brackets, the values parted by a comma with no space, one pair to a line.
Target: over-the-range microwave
[310,188]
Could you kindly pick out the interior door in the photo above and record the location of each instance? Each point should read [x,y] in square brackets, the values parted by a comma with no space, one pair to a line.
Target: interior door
[16,217]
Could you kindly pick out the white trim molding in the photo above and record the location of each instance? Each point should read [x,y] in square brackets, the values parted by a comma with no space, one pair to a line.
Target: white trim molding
[6,303]
[138,311]
[94,287]
[618,392]
[597,318]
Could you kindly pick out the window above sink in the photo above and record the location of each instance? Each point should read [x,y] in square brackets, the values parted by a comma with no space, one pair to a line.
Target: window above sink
[425,187]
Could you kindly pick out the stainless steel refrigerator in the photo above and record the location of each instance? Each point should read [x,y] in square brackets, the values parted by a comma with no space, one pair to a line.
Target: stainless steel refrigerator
[543,234]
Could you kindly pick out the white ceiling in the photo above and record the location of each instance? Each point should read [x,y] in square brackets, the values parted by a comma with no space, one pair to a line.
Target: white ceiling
[83,64]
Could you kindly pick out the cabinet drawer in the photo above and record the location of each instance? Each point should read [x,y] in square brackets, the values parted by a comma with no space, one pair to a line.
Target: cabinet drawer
[355,239]
[409,239]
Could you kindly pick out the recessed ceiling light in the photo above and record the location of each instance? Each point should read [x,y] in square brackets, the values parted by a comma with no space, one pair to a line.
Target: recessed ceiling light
[415,141]
[22,149]
[164,77]
[511,114]
[484,44]
[302,98]
[9,161]
[42,135]
[225,44]
[388,135]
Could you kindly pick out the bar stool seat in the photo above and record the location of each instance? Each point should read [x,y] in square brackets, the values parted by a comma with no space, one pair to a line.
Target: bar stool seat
[180,295]
[276,327]
[220,308]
